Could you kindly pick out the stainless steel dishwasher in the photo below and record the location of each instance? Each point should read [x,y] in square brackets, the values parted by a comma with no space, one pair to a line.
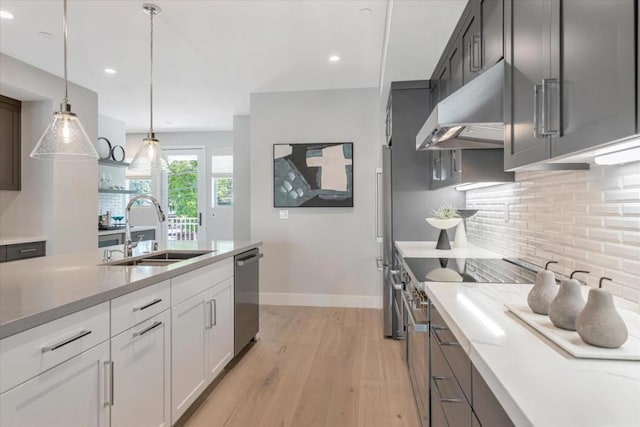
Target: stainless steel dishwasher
[247,308]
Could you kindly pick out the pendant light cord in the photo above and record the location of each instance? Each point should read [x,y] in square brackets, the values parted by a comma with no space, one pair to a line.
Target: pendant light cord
[66,82]
[151,79]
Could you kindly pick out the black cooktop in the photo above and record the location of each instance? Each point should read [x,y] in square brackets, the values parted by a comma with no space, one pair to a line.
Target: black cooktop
[472,270]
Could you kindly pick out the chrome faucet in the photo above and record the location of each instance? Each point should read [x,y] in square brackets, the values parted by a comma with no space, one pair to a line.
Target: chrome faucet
[128,244]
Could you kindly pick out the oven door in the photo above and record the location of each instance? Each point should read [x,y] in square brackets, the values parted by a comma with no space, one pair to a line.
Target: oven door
[418,352]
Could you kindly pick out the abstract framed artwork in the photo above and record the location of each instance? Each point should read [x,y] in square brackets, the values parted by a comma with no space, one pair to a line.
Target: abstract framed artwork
[313,175]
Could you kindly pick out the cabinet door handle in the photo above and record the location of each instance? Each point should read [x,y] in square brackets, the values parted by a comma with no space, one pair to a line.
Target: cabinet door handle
[76,337]
[475,46]
[546,130]
[208,314]
[147,305]
[26,251]
[215,312]
[536,107]
[147,329]
[109,373]
[434,380]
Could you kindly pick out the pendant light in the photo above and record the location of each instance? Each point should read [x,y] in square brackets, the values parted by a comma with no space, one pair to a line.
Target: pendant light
[65,138]
[150,156]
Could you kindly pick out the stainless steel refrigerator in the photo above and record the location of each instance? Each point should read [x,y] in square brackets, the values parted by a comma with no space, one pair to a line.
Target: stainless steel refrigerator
[406,200]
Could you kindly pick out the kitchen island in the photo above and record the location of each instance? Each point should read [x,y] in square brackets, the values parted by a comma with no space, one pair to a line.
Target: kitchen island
[134,342]
[536,382]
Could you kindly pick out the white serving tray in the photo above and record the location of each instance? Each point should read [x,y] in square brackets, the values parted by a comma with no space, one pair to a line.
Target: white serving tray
[571,342]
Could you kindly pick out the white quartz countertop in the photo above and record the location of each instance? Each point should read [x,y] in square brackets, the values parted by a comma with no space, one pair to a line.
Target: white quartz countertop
[16,240]
[121,230]
[38,290]
[537,383]
[428,250]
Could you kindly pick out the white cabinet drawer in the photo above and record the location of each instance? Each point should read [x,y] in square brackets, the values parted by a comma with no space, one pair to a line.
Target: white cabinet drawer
[194,282]
[25,355]
[131,309]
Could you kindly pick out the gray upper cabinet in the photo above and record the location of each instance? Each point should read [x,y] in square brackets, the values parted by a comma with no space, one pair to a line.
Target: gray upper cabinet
[10,110]
[528,61]
[471,48]
[492,18]
[455,68]
[567,83]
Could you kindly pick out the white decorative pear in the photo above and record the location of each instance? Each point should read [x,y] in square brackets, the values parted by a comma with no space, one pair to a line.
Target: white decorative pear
[600,324]
[569,302]
[544,290]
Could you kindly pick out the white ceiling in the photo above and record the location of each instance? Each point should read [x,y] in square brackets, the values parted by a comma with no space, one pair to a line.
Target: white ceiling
[211,54]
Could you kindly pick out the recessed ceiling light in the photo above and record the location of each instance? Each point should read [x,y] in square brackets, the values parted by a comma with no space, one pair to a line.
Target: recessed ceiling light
[334,58]
[366,11]
[110,71]
[6,15]
[45,35]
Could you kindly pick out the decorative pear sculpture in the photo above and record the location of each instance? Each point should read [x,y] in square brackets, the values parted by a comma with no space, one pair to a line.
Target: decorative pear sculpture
[544,290]
[599,323]
[569,302]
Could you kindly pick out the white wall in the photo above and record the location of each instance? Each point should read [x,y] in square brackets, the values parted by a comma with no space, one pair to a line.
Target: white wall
[319,256]
[215,143]
[586,220]
[58,198]
[241,178]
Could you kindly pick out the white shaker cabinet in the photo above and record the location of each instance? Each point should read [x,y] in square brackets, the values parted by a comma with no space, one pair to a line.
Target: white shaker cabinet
[73,393]
[188,362]
[219,307]
[142,374]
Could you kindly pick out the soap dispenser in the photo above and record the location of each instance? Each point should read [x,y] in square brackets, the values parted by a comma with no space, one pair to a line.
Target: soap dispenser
[600,324]
[569,302]
[544,290]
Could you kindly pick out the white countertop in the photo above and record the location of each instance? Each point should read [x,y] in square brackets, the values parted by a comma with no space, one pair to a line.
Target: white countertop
[16,240]
[121,230]
[428,250]
[37,290]
[537,383]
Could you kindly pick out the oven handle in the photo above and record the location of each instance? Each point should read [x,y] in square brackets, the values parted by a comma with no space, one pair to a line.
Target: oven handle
[421,327]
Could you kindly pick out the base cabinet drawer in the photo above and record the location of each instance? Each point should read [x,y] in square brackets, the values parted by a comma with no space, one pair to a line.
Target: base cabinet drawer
[27,354]
[25,250]
[142,374]
[446,391]
[486,406]
[74,393]
[196,281]
[135,307]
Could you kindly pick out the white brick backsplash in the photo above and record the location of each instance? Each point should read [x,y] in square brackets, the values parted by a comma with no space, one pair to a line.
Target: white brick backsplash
[586,220]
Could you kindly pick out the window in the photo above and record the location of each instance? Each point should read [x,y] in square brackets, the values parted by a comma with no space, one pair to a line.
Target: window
[221,181]
[140,186]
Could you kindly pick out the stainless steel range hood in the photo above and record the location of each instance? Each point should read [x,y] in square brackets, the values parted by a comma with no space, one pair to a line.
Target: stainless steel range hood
[471,117]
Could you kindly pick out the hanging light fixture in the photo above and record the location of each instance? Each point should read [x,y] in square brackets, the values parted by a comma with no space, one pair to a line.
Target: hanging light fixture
[65,138]
[150,156]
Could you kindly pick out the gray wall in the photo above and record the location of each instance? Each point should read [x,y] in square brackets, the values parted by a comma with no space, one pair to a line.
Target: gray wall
[58,198]
[241,178]
[319,256]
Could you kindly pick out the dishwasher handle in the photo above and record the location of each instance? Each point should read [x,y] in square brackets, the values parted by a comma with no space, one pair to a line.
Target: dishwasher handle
[249,260]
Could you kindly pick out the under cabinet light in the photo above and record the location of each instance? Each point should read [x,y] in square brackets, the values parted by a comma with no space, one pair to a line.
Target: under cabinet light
[475,185]
[619,157]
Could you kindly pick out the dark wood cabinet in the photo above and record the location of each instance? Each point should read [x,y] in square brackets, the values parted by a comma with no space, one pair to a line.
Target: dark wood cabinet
[10,110]
[567,85]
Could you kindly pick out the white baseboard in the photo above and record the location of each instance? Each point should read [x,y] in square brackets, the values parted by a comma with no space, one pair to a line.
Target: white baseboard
[321,300]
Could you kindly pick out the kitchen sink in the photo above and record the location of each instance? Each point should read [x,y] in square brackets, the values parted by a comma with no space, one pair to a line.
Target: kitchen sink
[161,259]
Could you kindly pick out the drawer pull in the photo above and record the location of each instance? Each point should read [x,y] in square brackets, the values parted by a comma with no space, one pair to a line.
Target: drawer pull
[249,260]
[444,343]
[147,329]
[26,251]
[69,340]
[435,380]
[208,314]
[143,307]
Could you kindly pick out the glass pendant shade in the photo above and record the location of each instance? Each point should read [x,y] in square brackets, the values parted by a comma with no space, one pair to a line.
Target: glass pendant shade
[149,157]
[65,139]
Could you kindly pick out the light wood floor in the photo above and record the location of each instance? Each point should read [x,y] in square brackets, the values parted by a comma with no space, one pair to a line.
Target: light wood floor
[314,367]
